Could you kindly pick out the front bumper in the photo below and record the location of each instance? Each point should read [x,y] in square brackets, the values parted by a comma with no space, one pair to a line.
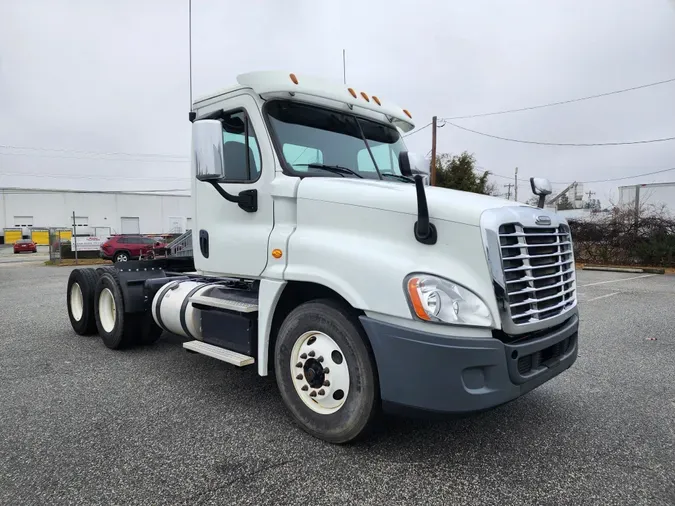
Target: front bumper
[453,374]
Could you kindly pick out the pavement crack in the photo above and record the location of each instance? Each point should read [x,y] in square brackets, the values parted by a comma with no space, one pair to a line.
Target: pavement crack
[258,470]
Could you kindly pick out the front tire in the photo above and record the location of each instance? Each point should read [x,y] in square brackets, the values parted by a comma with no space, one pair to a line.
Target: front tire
[325,371]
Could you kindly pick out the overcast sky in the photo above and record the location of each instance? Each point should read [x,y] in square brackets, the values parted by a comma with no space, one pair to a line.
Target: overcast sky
[96,76]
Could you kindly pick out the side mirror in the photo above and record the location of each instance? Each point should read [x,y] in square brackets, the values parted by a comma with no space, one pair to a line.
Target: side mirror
[209,162]
[412,164]
[540,187]
[405,164]
[207,150]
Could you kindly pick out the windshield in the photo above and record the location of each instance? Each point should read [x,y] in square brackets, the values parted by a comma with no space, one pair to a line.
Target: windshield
[309,137]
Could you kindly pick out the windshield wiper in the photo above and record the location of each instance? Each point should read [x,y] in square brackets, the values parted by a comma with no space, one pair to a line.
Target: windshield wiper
[400,178]
[338,169]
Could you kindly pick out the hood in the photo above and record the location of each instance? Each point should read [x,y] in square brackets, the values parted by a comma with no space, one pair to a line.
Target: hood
[444,204]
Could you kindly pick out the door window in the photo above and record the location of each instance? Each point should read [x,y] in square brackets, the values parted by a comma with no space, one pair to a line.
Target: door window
[241,152]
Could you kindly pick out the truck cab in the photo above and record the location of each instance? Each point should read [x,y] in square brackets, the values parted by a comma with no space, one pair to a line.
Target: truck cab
[322,257]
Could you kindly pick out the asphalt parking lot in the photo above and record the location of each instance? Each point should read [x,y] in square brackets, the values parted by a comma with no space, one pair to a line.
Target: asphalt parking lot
[7,255]
[81,424]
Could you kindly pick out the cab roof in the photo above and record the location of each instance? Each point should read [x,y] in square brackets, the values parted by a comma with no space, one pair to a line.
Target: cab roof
[277,84]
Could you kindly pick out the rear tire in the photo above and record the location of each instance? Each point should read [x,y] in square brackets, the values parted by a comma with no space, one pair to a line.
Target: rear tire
[101,270]
[338,406]
[114,326]
[80,301]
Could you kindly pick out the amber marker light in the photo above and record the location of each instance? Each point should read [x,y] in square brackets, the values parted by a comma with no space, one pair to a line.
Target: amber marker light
[413,285]
[276,253]
[294,79]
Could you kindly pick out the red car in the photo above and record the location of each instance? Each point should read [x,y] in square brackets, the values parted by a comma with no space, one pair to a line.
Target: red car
[122,248]
[25,245]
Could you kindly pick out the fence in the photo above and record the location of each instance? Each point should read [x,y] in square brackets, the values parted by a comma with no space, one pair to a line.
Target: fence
[60,246]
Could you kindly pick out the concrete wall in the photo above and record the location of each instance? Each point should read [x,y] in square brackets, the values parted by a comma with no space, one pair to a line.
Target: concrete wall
[155,213]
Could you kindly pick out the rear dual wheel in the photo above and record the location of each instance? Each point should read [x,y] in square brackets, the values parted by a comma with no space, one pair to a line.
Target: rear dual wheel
[117,328]
[96,304]
[80,301]
[325,371]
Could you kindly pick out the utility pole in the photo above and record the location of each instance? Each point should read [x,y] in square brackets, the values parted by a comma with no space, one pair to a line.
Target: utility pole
[433,151]
[515,183]
[508,191]
[73,243]
[590,193]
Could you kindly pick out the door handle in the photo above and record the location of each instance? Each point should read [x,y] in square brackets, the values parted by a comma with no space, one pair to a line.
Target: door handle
[204,243]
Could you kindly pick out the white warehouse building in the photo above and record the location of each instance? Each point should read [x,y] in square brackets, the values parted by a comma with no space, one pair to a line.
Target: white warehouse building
[25,211]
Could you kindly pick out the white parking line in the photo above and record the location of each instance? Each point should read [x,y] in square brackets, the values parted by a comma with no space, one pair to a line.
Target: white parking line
[602,296]
[618,280]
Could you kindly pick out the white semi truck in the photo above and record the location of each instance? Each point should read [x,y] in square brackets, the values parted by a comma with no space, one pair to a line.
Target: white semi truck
[321,257]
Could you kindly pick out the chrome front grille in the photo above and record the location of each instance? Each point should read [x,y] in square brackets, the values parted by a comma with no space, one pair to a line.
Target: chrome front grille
[538,271]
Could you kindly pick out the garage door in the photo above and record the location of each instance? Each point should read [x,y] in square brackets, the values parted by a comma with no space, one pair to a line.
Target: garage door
[131,225]
[40,236]
[64,235]
[11,236]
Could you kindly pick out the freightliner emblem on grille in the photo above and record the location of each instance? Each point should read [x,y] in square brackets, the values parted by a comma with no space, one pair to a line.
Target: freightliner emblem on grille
[542,220]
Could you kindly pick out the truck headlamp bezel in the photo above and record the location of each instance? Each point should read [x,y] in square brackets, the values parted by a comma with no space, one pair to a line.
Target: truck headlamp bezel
[435,299]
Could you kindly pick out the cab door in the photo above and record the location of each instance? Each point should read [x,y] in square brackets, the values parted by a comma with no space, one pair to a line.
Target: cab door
[228,240]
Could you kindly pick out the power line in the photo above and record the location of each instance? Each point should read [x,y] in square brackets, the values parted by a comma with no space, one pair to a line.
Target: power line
[86,176]
[575,144]
[625,177]
[418,130]
[143,160]
[551,104]
[80,152]
[37,191]
[609,180]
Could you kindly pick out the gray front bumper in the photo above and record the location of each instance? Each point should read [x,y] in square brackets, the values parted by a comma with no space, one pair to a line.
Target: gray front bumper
[425,371]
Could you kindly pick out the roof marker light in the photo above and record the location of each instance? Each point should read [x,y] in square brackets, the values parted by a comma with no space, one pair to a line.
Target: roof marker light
[376,100]
[294,79]
[365,96]
[407,113]
[353,93]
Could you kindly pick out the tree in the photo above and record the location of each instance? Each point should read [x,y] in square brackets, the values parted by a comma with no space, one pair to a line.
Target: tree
[593,205]
[533,201]
[459,173]
[564,203]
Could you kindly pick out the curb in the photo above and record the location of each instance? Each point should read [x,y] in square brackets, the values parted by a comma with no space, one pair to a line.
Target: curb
[636,270]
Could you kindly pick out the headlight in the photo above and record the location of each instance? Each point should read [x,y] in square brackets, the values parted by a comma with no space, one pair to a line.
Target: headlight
[438,300]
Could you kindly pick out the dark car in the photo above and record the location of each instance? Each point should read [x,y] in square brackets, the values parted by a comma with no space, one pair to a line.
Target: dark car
[23,245]
[122,248]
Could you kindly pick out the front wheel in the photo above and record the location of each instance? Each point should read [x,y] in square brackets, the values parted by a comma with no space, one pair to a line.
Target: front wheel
[325,371]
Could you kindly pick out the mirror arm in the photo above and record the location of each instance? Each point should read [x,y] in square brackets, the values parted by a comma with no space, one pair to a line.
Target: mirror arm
[425,231]
[247,200]
[542,201]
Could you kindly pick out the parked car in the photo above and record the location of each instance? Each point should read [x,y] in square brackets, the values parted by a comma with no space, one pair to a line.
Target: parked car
[23,245]
[122,248]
